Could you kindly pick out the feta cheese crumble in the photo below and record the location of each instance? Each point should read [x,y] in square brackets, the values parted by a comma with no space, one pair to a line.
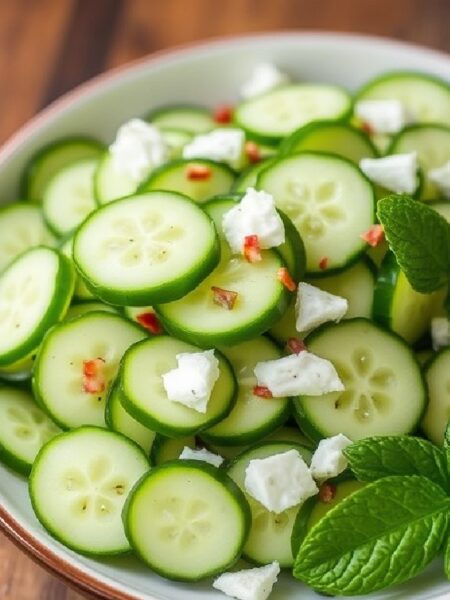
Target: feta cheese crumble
[396,172]
[440,333]
[222,145]
[298,374]
[249,584]
[314,307]
[382,116]
[203,454]
[280,481]
[192,382]
[441,178]
[255,214]
[265,77]
[138,148]
[328,460]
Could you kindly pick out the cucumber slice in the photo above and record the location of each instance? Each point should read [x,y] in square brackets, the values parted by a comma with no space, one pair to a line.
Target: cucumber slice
[35,292]
[165,449]
[293,250]
[174,176]
[18,371]
[138,315]
[437,413]
[397,306]
[80,292]
[153,247]
[144,396]
[384,389]
[68,198]
[109,184]
[76,310]
[289,434]
[21,228]
[332,137]
[272,116]
[249,177]
[78,486]
[117,419]
[270,535]
[24,429]
[330,202]
[53,157]
[58,372]
[176,139]
[187,520]
[189,118]
[432,144]
[261,299]
[425,97]
[252,417]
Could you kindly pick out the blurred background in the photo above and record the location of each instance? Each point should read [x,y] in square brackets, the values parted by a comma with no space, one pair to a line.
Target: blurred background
[47,47]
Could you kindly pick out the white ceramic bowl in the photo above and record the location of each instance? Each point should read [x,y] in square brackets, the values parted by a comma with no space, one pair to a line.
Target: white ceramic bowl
[208,73]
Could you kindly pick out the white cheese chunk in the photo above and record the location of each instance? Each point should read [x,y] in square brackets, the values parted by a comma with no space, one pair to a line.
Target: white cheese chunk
[441,178]
[222,145]
[280,481]
[265,77]
[328,460]
[298,374]
[440,332]
[314,307]
[382,116]
[203,454]
[396,172]
[254,215]
[192,382]
[138,148]
[249,584]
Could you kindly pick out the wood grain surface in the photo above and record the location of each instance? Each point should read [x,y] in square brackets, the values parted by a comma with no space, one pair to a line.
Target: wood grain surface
[49,46]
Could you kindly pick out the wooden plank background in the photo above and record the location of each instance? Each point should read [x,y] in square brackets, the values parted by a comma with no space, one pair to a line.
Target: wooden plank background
[49,46]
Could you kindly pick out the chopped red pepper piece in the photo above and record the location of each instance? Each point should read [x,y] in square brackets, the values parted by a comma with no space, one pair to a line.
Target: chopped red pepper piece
[327,492]
[262,391]
[252,249]
[150,321]
[223,114]
[323,263]
[93,377]
[374,235]
[367,128]
[198,172]
[295,345]
[252,152]
[224,298]
[286,279]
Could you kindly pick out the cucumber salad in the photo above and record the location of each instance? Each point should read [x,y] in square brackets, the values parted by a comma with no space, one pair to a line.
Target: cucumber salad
[225,340]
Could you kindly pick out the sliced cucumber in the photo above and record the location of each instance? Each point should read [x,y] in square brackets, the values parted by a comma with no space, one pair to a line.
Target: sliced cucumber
[53,157]
[58,374]
[152,247]
[249,177]
[270,535]
[68,197]
[144,316]
[144,396]
[261,299]
[109,184]
[19,370]
[165,449]
[293,250]
[78,486]
[21,228]
[24,429]
[329,136]
[35,292]
[432,144]
[271,116]
[76,310]
[80,292]
[252,417]
[397,306]
[176,139]
[289,433]
[187,520]
[384,389]
[437,414]
[329,201]
[190,118]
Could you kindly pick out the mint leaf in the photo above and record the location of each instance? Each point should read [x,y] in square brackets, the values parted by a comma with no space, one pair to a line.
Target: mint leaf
[420,239]
[381,535]
[373,458]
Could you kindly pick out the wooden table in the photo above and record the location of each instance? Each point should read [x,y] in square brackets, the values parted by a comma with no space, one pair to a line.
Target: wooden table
[49,46]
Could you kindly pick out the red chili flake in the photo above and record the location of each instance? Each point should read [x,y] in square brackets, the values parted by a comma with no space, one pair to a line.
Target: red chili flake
[262,391]
[150,321]
[323,263]
[374,235]
[295,345]
[367,128]
[93,376]
[223,114]
[252,249]
[198,172]
[253,152]
[327,492]
[286,279]
[224,298]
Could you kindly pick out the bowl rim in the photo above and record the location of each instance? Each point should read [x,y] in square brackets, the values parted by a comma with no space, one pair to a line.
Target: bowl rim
[75,576]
